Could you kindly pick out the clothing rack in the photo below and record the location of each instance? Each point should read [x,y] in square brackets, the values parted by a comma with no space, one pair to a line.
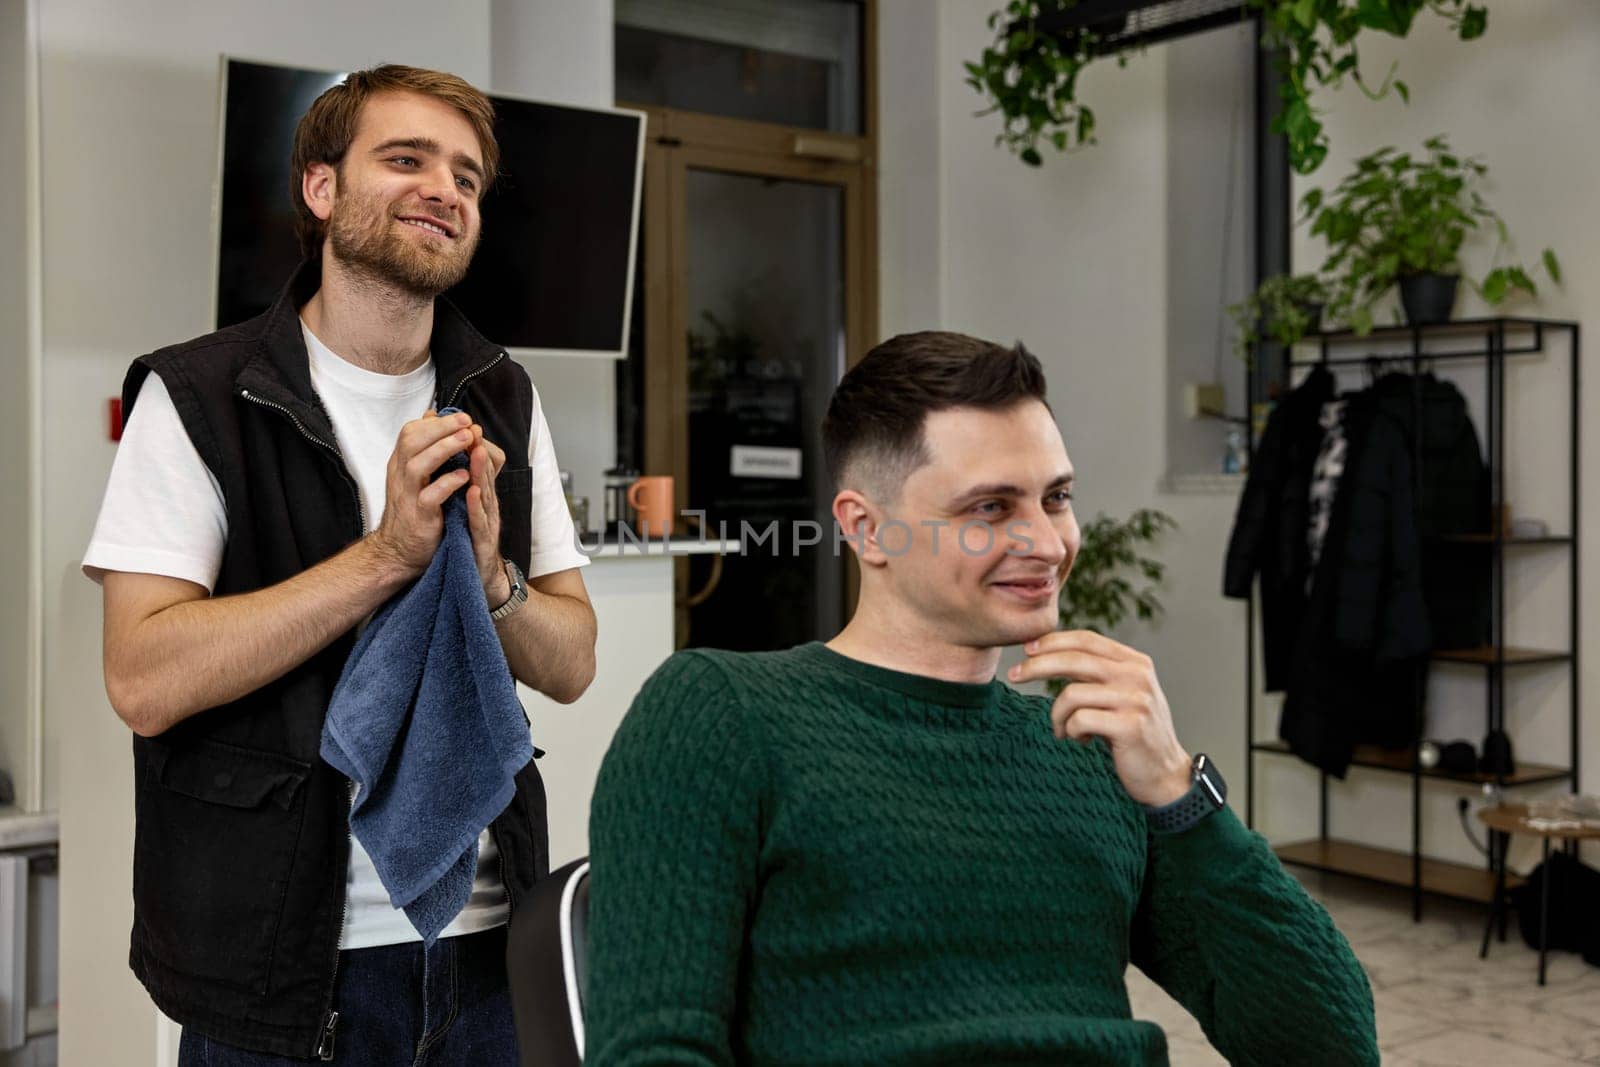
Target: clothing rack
[1494,341]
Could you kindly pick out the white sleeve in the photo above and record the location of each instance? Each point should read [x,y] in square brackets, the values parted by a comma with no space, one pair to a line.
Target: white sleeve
[163,511]
[555,545]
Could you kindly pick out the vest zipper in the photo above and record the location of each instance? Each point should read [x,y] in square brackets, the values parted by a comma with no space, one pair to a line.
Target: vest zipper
[325,1040]
[329,446]
[330,1017]
[485,369]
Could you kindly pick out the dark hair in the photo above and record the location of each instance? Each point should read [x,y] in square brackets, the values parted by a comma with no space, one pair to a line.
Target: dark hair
[329,125]
[874,426]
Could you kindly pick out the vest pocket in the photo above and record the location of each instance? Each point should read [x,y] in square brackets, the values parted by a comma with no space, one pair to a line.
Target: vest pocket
[217,829]
[513,487]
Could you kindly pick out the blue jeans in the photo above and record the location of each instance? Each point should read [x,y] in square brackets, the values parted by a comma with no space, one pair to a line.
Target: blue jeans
[402,1007]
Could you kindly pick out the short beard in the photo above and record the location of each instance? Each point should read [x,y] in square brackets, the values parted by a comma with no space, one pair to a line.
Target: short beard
[362,237]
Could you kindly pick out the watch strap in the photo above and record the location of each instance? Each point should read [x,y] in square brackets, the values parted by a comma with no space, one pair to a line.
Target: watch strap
[1206,796]
[519,592]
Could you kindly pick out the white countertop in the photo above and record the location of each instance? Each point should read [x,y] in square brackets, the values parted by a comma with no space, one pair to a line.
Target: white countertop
[659,549]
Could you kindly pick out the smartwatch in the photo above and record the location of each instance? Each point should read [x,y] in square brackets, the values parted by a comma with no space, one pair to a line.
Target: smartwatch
[519,592]
[1207,794]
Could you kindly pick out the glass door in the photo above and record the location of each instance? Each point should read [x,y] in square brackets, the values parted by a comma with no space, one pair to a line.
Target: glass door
[756,292]
[765,345]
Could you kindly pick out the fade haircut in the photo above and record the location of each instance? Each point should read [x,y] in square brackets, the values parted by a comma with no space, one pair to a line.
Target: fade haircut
[872,436]
[329,125]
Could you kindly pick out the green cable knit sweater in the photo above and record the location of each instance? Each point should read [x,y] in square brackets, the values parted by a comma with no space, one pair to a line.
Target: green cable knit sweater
[800,858]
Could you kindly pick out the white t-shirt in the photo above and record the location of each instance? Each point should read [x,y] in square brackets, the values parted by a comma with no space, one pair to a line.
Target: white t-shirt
[164,513]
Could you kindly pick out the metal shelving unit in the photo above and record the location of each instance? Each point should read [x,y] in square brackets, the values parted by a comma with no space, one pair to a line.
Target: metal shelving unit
[1494,341]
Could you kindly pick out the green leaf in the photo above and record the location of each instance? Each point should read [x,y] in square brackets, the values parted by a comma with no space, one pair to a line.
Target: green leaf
[1551,266]
[1405,93]
[1473,23]
[1379,15]
[1495,284]
[1031,156]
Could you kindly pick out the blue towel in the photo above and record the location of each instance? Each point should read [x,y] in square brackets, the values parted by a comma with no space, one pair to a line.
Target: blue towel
[426,722]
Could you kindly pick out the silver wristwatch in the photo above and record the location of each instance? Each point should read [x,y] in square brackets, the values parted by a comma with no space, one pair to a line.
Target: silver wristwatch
[519,592]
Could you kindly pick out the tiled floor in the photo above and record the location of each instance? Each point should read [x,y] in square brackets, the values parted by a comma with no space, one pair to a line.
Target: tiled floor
[1438,1004]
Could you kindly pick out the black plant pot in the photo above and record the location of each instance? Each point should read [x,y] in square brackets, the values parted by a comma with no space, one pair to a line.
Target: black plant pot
[1428,298]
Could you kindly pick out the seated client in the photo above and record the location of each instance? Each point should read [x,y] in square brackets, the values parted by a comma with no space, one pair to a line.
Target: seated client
[872,850]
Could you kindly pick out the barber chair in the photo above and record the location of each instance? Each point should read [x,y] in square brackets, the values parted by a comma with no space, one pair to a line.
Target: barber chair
[546,965]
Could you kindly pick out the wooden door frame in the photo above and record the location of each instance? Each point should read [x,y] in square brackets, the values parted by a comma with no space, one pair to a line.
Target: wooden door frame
[678,141]
[668,315]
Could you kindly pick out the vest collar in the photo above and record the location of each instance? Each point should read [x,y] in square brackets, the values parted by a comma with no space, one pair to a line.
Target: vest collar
[280,370]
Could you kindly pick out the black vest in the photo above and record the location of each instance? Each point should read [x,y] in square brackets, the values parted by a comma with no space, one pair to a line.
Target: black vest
[242,839]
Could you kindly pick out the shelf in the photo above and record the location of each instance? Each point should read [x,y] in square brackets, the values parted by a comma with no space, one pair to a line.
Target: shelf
[1491,347]
[1394,868]
[1399,760]
[1489,656]
[1530,330]
[1453,328]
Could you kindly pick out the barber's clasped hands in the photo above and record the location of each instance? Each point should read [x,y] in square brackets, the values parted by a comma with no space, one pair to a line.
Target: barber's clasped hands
[413,515]
[1112,693]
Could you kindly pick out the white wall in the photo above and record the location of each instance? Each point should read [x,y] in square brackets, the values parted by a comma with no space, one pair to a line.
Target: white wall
[1210,109]
[129,129]
[18,626]
[910,177]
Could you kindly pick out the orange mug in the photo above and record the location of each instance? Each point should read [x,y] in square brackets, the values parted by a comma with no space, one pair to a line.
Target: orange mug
[651,499]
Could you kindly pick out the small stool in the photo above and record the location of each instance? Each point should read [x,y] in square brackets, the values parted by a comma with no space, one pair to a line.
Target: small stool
[1511,819]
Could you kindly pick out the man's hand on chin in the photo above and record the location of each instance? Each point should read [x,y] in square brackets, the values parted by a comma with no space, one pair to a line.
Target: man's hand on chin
[1112,693]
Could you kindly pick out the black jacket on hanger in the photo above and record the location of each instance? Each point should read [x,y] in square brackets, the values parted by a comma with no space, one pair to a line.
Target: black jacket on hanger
[1452,499]
[1269,531]
[1357,666]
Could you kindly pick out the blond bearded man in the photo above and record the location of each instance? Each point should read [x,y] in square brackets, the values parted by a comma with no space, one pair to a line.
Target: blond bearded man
[273,488]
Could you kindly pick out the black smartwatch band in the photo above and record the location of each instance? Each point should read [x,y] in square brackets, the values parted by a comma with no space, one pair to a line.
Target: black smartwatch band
[1207,794]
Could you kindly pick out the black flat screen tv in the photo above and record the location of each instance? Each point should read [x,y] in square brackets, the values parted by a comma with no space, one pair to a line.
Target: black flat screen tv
[553,274]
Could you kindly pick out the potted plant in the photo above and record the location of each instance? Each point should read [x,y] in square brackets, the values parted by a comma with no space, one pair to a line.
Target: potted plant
[1399,219]
[1099,593]
[1284,308]
[1030,74]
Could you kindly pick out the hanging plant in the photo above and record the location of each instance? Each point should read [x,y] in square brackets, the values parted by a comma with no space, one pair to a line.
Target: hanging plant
[1031,77]
[1317,42]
